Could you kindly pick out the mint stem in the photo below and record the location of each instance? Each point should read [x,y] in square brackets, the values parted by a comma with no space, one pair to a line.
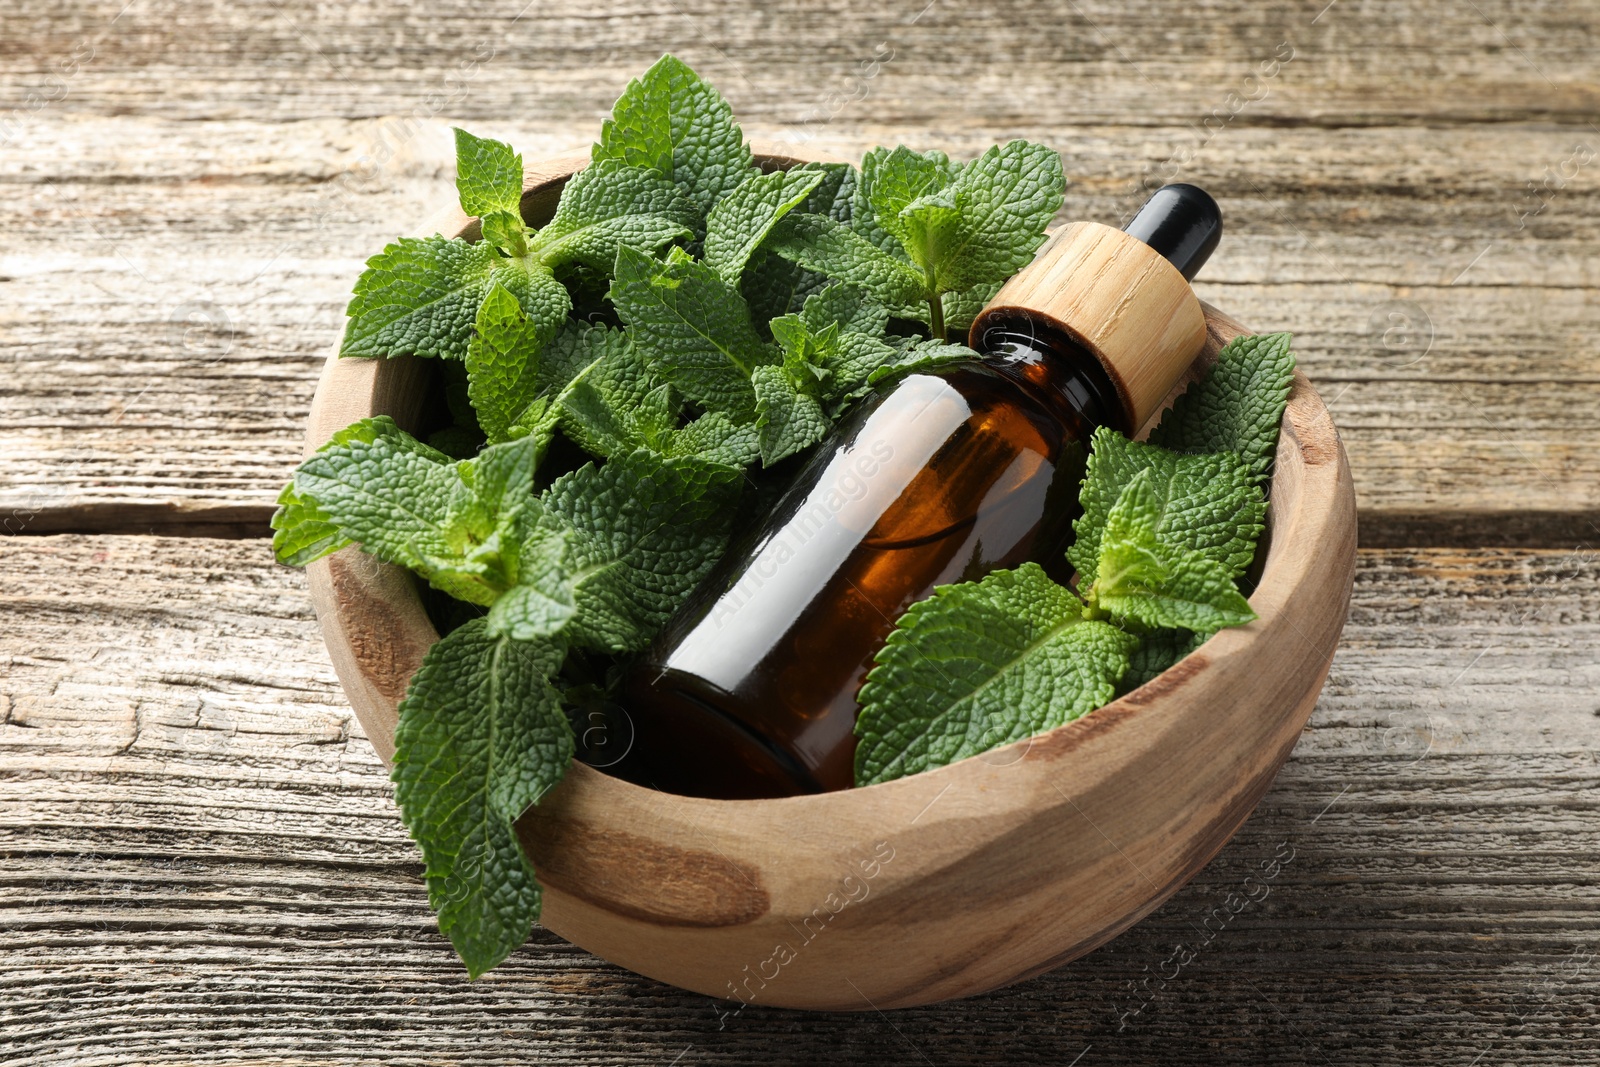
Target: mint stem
[936,317]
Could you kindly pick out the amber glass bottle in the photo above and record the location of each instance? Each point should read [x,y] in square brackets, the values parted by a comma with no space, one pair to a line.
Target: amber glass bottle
[750,690]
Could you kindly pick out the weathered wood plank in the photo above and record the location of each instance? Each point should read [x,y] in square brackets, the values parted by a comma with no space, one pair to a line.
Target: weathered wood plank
[202,861]
[195,186]
[163,350]
[953,65]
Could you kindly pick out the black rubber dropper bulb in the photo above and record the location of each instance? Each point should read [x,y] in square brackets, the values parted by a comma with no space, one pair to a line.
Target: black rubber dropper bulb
[1182,223]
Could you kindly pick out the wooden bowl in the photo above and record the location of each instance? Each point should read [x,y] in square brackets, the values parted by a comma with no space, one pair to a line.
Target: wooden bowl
[939,885]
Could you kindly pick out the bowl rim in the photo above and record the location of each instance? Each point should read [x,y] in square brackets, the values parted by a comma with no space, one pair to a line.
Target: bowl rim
[702,852]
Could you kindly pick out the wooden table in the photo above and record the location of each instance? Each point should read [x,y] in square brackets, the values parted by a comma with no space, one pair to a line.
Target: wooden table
[202,859]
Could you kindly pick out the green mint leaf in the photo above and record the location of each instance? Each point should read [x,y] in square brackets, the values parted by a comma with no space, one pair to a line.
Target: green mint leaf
[1143,578]
[671,121]
[481,737]
[503,362]
[501,477]
[303,532]
[960,308]
[645,530]
[544,300]
[715,438]
[848,307]
[982,664]
[851,365]
[834,250]
[418,297]
[890,182]
[459,525]
[693,327]
[541,603]
[575,346]
[616,404]
[833,195]
[935,168]
[741,220]
[1158,650]
[505,231]
[986,224]
[787,420]
[1238,406]
[1209,504]
[609,204]
[538,421]
[488,175]
[388,492]
[773,285]
[921,355]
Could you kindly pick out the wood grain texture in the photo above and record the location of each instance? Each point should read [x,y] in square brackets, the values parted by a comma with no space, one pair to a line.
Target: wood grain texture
[203,863]
[1119,298]
[202,860]
[209,180]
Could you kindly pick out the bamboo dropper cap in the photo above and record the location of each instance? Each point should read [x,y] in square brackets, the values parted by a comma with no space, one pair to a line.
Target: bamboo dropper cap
[1123,295]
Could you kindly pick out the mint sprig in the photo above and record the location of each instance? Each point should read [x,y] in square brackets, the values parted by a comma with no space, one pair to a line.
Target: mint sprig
[671,122]
[1161,543]
[481,737]
[923,230]
[982,664]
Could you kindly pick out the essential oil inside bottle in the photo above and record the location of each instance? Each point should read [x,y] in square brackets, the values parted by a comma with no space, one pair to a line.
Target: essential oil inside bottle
[750,690]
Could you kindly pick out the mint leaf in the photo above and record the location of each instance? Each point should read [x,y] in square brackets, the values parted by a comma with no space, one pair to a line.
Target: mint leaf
[693,327]
[960,308]
[852,310]
[986,224]
[981,664]
[459,525]
[921,355]
[773,285]
[575,345]
[891,182]
[389,492]
[1238,406]
[1208,503]
[892,178]
[671,121]
[716,438]
[922,227]
[488,175]
[741,220]
[481,737]
[616,404]
[833,195]
[609,204]
[833,249]
[645,530]
[787,419]
[541,603]
[1158,650]
[1144,577]
[502,362]
[418,297]
[544,300]
[505,231]
[303,532]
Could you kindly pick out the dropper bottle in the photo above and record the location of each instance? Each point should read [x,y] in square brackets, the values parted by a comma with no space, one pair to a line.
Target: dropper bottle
[750,690]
